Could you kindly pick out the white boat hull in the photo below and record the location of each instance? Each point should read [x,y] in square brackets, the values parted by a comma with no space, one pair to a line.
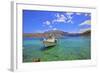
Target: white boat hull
[48,44]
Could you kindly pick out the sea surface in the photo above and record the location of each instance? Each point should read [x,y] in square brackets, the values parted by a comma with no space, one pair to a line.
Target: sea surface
[67,48]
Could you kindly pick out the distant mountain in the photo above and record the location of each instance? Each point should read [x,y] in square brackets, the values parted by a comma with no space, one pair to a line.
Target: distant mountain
[86,33]
[38,35]
[57,34]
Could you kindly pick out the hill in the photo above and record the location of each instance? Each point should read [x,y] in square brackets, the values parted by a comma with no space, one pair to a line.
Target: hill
[56,33]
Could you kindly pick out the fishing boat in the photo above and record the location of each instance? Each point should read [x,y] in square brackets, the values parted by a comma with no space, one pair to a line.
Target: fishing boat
[50,41]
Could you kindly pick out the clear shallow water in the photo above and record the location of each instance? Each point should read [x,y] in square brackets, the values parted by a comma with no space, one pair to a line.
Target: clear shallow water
[68,48]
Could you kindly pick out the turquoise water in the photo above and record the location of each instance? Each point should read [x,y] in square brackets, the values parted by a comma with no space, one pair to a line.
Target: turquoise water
[67,48]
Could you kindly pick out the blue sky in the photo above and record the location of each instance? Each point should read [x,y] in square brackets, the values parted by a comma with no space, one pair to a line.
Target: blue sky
[41,21]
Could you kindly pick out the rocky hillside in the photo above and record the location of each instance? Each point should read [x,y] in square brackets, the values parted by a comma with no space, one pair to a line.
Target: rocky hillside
[56,33]
[86,33]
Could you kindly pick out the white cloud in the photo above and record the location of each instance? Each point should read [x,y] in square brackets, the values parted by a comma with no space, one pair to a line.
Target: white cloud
[85,29]
[87,22]
[78,13]
[60,18]
[57,15]
[50,26]
[47,22]
[70,21]
[54,28]
[86,14]
[69,13]
[69,17]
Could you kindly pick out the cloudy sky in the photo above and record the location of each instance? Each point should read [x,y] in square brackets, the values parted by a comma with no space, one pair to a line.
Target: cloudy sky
[41,21]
